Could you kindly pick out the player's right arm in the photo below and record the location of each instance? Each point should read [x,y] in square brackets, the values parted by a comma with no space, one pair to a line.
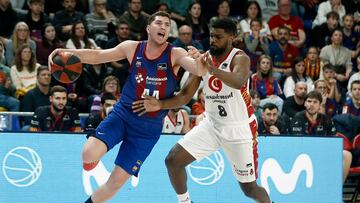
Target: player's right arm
[151,104]
[124,50]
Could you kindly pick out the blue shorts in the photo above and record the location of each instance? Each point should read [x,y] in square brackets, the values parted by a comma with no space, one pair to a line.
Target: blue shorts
[137,134]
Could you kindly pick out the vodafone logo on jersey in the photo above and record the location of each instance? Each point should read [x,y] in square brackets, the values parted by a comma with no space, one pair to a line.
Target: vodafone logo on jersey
[215,84]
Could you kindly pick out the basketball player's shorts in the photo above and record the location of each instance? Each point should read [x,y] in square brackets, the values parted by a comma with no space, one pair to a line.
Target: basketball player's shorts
[239,142]
[137,134]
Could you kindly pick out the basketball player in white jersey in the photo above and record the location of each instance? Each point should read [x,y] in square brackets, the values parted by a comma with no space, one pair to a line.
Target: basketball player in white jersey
[229,121]
[176,121]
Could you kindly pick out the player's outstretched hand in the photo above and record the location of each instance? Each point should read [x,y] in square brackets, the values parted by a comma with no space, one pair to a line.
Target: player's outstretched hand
[148,104]
[51,56]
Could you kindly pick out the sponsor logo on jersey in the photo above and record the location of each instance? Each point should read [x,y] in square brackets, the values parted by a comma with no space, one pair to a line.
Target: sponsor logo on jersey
[215,84]
[161,66]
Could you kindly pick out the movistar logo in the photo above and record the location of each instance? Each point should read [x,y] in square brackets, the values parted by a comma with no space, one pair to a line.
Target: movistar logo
[284,182]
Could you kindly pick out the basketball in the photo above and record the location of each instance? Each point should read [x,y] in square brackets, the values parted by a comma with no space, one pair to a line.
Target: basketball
[66,68]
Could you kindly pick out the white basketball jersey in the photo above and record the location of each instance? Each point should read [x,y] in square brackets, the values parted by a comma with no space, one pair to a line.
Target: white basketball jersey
[173,126]
[224,104]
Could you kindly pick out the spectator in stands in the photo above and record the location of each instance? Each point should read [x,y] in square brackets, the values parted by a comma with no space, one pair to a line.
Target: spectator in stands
[185,39]
[39,96]
[223,11]
[108,100]
[23,72]
[293,23]
[269,8]
[355,76]
[256,43]
[20,37]
[312,122]
[120,68]
[271,122]
[176,121]
[198,25]
[313,63]
[351,39]
[297,74]
[352,105]
[295,103]
[282,53]
[265,84]
[178,9]
[327,6]
[322,33]
[56,117]
[64,19]
[8,19]
[36,18]
[255,101]
[136,19]
[47,44]
[110,85]
[329,105]
[174,33]
[253,12]
[328,74]
[7,89]
[117,7]
[100,22]
[340,57]
[79,37]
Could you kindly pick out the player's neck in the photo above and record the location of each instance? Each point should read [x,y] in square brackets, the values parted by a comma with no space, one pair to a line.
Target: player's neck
[55,112]
[219,58]
[311,117]
[153,50]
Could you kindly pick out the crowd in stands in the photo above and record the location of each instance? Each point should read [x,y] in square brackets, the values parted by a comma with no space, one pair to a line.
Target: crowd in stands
[298,49]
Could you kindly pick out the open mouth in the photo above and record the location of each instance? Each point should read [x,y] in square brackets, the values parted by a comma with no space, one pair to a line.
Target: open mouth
[161,34]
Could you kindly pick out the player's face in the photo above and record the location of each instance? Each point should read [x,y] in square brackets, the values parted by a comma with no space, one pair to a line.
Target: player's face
[219,41]
[312,106]
[44,78]
[270,116]
[355,91]
[159,29]
[58,101]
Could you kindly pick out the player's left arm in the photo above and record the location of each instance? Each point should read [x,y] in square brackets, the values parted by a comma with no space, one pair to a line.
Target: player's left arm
[191,61]
[240,65]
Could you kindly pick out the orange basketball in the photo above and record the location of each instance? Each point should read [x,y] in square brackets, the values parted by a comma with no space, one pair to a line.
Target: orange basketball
[66,68]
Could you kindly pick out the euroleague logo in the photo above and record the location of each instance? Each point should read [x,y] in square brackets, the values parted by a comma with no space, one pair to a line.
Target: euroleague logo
[215,84]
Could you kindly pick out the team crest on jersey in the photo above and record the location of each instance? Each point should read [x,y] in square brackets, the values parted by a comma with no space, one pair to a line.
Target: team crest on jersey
[161,66]
[215,84]
[224,65]
[139,78]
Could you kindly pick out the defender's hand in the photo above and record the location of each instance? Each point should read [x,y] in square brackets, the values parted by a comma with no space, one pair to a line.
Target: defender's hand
[148,104]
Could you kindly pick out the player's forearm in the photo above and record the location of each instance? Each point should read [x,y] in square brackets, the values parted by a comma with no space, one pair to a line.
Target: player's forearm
[234,80]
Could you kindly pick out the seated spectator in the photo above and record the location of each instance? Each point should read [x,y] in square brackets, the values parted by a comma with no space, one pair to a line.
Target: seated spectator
[197,23]
[57,117]
[36,18]
[7,89]
[295,103]
[293,23]
[39,96]
[178,9]
[265,84]
[352,105]
[271,122]
[176,121]
[327,6]
[313,63]
[110,85]
[185,39]
[256,43]
[174,33]
[136,19]
[23,72]
[351,38]
[223,11]
[329,106]
[20,37]
[100,23]
[282,53]
[79,38]
[64,19]
[312,122]
[297,74]
[321,34]
[108,100]
[48,43]
[355,76]
[328,74]
[268,9]
[255,101]
[8,18]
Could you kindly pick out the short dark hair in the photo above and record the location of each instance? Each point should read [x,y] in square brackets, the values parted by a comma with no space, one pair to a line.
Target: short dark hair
[121,22]
[36,1]
[158,13]
[107,96]
[355,82]
[41,69]
[333,14]
[314,95]
[328,66]
[227,24]
[283,27]
[269,106]
[57,88]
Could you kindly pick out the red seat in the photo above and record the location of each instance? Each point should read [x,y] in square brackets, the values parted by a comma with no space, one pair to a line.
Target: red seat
[354,172]
[347,144]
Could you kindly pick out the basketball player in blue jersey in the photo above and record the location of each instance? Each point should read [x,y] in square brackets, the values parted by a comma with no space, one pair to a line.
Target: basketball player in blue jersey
[229,120]
[154,67]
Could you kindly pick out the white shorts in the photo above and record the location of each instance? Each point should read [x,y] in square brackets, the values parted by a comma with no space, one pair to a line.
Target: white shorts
[205,139]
